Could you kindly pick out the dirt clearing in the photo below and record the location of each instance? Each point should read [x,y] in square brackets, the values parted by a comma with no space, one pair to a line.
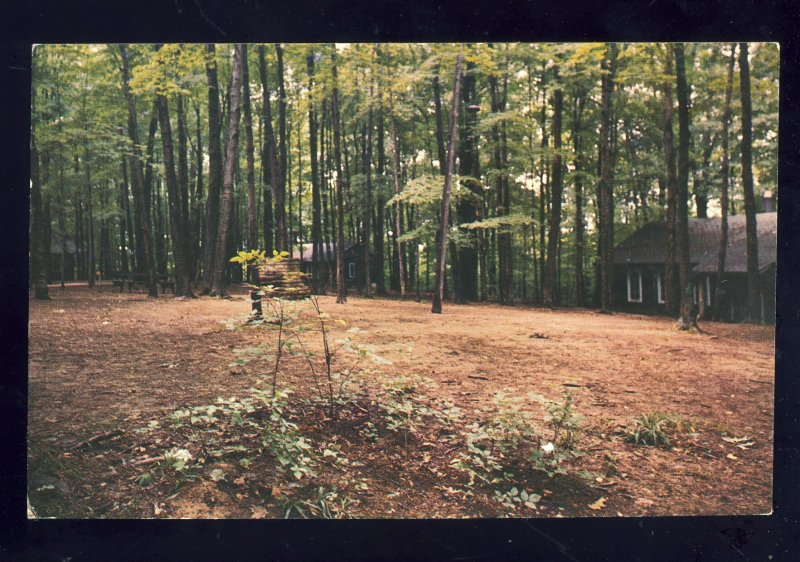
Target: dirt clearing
[114,367]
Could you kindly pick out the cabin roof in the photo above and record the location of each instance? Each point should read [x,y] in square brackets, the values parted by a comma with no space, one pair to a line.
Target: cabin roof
[648,245]
[328,251]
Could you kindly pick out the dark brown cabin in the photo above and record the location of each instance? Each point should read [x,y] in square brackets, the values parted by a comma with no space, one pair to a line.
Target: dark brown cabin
[639,267]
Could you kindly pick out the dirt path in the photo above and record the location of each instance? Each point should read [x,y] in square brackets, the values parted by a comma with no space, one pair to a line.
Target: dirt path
[101,360]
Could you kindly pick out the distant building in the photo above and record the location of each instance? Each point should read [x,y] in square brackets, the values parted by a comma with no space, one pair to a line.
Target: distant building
[353,261]
[639,267]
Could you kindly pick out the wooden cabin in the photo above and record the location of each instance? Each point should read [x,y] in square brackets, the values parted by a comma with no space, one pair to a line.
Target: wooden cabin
[639,267]
[353,262]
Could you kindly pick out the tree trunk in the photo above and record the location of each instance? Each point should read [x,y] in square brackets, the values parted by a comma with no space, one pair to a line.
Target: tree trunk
[366,151]
[183,183]
[554,231]
[606,188]
[682,210]
[252,223]
[397,221]
[212,210]
[341,288]
[380,280]
[280,193]
[469,167]
[438,295]
[580,224]
[316,210]
[455,264]
[544,176]
[37,228]
[720,295]
[753,281]
[281,242]
[197,205]
[137,176]
[179,243]
[150,198]
[226,203]
[670,296]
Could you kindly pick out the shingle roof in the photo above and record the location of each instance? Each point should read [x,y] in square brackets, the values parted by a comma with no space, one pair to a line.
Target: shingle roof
[328,250]
[648,245]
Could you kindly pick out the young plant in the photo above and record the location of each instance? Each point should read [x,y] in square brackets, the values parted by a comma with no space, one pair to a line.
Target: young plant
[652,430]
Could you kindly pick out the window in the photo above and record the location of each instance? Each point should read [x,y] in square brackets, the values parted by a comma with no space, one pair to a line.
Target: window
[634,285]
[351,270]
[660,288]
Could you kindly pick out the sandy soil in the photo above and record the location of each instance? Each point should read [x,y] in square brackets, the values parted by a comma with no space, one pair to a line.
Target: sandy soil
[100,360]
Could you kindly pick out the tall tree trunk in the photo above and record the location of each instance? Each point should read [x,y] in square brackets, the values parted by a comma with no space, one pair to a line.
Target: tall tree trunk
[682,209]
[137,176]
[671,299]
[212,210]
[397,219]
[544,176]
[197,205]
[183,183]
[226,203]
[341,288]
[150,198]
[316,211]
[252,222]
[281,242]
[438,295]
[380,256]
[580,224]
[124,220]
[366,153]
[469,167]
[37,228]
[554,232]
[606,187]
[175,204]
[280,193]
[299,188]
[753,281]
[90,257]
[455,264]
[504,240]
[723,198]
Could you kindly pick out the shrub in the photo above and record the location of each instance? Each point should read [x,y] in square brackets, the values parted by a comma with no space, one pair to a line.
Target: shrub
[652,430]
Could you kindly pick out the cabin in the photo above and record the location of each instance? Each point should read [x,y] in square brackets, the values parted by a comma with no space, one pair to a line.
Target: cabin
[353,261]
[639,267]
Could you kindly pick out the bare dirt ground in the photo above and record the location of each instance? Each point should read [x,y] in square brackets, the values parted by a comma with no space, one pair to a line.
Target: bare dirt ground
[101,362]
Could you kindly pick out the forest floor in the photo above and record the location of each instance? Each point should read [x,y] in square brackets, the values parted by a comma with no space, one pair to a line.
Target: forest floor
[138,374]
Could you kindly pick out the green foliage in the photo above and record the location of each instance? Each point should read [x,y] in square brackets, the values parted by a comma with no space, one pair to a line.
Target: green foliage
[509,441]
[652,430]
[514,498]
[324,504]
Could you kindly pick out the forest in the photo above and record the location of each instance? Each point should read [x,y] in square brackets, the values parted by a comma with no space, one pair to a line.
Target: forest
[489,183]
[150,158]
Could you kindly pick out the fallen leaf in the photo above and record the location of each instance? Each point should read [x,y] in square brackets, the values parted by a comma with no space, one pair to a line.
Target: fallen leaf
[239,481]
[644,502]
[599,504]
[732,456]
[258,513]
